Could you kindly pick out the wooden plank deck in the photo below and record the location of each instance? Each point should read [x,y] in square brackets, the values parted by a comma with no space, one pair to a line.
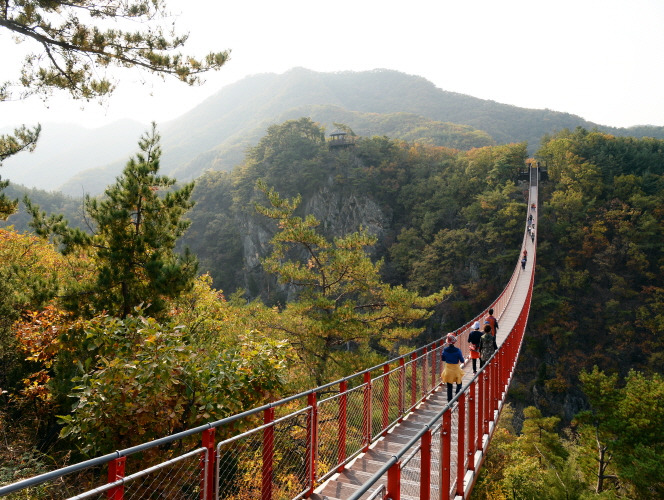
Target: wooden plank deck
[342,485]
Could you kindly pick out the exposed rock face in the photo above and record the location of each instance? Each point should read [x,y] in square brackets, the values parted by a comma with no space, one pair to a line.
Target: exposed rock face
[339,213]
[255,242]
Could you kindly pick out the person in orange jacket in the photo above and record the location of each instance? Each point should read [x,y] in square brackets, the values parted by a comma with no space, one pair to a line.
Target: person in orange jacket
[493,322]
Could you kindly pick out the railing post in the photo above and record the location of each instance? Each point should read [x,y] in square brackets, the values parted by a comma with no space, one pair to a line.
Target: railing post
[268,455]
[461,434]
[480,410]
[445,452]
[425,466]
[501,373]
[116,470]
[207,465]
[386,398]
[394,482]
[402,387]
[434,364]
[510,359]
[425,359]
[496,383]
[366,418]
[505,362]
[472,426]
[343,423]
[413,377]
[312,425]
[486,404]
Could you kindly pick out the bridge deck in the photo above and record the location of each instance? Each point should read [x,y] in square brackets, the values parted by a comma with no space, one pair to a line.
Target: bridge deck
[344,484]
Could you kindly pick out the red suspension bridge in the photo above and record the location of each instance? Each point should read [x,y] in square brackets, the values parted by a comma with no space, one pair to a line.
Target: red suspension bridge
[385,433]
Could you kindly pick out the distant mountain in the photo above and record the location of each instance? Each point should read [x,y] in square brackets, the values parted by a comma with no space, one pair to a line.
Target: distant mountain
[215,134]
[66,150]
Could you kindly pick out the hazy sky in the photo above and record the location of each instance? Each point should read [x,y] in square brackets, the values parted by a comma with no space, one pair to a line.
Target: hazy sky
[600,59]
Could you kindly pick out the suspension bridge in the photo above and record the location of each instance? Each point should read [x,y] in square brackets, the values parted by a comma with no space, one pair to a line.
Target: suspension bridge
[385,433]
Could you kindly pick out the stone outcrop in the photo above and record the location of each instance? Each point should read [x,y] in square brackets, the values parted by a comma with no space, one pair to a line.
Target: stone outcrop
[339,213]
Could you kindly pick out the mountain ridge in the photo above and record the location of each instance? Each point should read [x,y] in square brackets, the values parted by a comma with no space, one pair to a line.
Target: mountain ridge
[215,134]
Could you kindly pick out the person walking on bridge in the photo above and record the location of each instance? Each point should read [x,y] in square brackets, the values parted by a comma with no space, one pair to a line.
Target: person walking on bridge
[487,345]
[493,322]
[474,343]
[452,373]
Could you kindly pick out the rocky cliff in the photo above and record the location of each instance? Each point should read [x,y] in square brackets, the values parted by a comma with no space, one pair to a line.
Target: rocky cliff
[339,212]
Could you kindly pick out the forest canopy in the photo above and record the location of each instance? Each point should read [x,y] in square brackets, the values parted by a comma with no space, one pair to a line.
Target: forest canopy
[414,219]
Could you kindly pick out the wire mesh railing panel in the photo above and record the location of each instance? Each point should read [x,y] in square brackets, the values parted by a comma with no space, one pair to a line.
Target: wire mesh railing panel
[332,432]
[476,421]
[180,478]
[431,365]
[273,457]
[439,364]
[64,487]
[436,464]
[290,461]
[380,404]
[177,479]
[466,431]
[414,371]
[454,439]
[355,419]
[411,468]
[239,468]
[395,396]
[422,379]
[410,395]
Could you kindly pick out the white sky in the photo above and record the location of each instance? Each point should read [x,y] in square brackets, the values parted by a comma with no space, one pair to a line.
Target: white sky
[600,59]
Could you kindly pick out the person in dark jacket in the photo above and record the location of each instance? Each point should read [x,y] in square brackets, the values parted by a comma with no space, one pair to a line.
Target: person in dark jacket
[474,344]
[453,358]
[487,345]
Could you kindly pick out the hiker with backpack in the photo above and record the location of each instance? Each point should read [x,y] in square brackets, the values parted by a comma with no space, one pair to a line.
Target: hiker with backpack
[487,345]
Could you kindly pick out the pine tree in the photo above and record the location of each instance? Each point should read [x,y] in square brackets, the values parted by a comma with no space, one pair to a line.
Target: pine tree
[135,226]
[622,432]
[72,46]
[340,298]
[23,139]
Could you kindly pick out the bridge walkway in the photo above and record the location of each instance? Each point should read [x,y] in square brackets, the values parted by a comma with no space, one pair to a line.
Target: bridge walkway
[344,484]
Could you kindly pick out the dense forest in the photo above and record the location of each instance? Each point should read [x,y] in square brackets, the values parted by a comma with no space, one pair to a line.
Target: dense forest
[589,379]
[245,316]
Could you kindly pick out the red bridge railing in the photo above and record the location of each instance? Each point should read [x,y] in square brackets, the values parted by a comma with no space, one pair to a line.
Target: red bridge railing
[296,443]
[445,456]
